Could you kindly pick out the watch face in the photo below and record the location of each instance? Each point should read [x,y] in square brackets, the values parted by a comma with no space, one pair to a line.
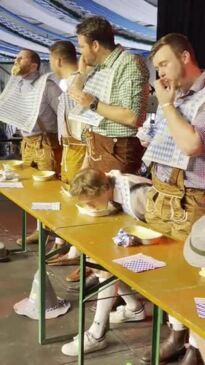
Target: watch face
[94,104]
[92,107]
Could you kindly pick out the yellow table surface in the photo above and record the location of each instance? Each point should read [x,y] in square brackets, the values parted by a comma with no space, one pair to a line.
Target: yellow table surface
[172,288]
[50,191]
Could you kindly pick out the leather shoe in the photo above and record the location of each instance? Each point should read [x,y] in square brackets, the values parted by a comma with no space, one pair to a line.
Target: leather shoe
[30,239]
[75,275]
[63,260]
[192,357]
[170,349]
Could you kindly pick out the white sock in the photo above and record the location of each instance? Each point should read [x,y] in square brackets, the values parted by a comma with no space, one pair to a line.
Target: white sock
[59,241]
[176,325]
[133,304]
[38,225]
[102,311]
[73,252]
[192,341]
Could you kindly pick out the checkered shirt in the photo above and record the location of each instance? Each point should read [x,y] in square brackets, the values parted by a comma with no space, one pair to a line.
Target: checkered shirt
[129,82]
[194,176]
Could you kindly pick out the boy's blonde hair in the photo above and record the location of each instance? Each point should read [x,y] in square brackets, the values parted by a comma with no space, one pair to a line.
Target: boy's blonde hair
[90,182]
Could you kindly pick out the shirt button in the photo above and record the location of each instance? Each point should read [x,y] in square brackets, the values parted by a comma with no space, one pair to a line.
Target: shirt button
[115,140]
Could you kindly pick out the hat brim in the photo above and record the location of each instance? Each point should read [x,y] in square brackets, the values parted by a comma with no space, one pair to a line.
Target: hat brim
[192,257]
[28,308]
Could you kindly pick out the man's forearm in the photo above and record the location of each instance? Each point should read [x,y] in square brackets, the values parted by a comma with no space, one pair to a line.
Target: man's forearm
[114,113]
[79,81]
[119,115]
[184,134]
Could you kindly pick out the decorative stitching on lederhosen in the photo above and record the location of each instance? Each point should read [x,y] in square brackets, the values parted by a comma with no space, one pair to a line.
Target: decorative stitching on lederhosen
[90,146]
[164,199]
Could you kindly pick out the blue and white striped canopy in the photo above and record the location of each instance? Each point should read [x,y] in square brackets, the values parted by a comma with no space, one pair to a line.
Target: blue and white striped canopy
[36,24]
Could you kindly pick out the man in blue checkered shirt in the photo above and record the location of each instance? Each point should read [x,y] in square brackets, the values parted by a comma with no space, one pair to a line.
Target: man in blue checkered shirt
[177,197]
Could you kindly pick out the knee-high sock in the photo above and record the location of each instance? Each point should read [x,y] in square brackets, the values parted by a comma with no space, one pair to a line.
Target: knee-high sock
[131,300]
[38,225]
[176,325]
[73,252]
[103,309]
[59,241]
[192,341]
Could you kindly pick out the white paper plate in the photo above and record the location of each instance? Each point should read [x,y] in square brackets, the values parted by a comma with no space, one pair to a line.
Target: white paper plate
[85,209]
[12,164]
[43,175]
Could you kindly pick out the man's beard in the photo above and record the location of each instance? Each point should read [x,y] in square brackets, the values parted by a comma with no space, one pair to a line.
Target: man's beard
[181,77]
[16,69]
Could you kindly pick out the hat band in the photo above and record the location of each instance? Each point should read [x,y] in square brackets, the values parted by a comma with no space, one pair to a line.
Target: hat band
[196,250]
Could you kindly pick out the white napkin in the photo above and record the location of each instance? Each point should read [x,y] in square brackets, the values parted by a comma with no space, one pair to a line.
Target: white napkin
[8,184]
[45,206]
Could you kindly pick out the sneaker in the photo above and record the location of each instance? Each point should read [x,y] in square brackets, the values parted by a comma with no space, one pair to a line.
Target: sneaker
[123,314]
[117,302]
[91,344]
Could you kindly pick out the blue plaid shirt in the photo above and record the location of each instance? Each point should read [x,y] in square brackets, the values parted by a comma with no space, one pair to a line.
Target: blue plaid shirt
[194,176]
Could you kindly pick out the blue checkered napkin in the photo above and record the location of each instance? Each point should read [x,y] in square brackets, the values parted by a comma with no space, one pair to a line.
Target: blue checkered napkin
[139,263]
[163,150]
[200,306]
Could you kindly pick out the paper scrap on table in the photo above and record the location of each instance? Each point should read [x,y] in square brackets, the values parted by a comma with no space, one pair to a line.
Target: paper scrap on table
[45,206]
[140,262]
[11,185]
[200,306]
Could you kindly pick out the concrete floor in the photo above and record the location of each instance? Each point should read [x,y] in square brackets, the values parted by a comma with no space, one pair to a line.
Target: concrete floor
[19,335]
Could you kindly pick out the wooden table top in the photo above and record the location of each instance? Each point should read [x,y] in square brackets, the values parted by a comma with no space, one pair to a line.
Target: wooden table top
[50,191]
[172,288]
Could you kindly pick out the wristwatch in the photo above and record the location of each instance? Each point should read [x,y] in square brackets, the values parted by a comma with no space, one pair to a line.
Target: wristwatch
[93,106]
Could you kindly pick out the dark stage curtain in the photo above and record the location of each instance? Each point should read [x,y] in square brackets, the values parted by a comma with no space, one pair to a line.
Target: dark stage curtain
[187,17]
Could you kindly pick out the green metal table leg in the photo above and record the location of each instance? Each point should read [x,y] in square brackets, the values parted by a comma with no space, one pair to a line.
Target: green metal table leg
[23,234]
[81,310]
[42,285]
[156,326]
[24,224]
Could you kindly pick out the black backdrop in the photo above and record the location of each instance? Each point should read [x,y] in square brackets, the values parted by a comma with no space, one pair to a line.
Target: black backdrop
[187,17]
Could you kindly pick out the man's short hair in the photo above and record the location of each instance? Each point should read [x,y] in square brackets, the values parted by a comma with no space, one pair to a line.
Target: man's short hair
[35,58]
[177,42]
[65,50]
[90,182]
[96,28]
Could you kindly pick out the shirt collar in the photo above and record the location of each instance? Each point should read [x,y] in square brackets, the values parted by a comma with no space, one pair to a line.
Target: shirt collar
[198,84]
[31,76]
[110,60]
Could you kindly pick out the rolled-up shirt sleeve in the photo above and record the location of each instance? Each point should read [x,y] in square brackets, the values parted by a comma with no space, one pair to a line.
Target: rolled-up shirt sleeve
[199,124]
[134,87]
